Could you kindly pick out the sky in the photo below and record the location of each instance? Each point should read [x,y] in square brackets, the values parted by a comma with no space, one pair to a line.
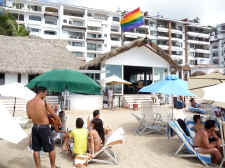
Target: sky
[210,12]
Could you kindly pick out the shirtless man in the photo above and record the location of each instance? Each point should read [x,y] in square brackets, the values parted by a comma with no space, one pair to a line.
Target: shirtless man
[37,111]
[198,123]
[205,145]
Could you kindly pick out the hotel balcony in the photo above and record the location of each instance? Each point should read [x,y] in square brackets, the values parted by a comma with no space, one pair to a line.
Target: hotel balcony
[75,24]
[77,14]
[164,47]
[130,34]
[76,48]
[202,51]
[198,42]
[176,31]
[162,29]
[197,34]
[175,48]
[163,37]
[176,39]
[95,37]
[115,43]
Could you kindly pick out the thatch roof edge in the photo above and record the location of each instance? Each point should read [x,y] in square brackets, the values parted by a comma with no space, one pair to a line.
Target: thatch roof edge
[137,43]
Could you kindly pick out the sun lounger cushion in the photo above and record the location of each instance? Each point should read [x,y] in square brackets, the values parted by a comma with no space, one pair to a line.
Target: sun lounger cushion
[198,110]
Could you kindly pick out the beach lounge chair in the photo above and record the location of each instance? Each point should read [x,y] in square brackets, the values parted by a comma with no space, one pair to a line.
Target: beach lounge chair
[139,117]
[117,137]
[197,110]
[222,132]
[153,121]
[190,124]
[188,145]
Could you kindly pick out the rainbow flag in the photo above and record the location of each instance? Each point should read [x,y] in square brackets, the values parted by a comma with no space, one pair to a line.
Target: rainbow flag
[132,20]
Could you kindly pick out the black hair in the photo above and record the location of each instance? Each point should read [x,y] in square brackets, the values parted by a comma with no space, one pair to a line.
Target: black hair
[191,100]
[210,124]
[61,115]
[95,113]
[79,123]
[40,89]
[196,118]
[98,126]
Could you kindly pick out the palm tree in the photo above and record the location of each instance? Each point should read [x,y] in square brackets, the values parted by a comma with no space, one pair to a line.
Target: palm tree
[9,27]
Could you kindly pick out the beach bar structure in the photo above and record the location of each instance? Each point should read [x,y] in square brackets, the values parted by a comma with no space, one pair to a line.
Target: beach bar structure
[140,62]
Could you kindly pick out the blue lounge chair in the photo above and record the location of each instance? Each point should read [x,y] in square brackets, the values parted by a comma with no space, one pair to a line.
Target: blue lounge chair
[198,110]
[188,145]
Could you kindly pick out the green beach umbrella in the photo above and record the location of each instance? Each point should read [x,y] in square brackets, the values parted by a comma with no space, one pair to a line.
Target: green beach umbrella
[59,80]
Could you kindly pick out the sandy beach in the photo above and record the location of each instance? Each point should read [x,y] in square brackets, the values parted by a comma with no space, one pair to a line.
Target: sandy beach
[153,151]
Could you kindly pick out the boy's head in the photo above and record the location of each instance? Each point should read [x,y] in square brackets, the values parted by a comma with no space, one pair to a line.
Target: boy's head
[192,99]
[79,123]
[42,92]
[210,125]
[196,118]
[96,114]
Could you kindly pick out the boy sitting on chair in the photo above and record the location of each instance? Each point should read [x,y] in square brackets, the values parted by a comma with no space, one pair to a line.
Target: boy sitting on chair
[80,139]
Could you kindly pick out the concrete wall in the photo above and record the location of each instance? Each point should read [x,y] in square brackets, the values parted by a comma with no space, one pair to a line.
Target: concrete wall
[138,56]
[10,78]
[13,77]
[86,102]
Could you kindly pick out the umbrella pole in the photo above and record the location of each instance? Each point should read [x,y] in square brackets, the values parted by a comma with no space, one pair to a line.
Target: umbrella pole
[14,108]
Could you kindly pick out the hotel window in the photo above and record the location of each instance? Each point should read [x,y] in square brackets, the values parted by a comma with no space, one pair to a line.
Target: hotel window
[49,32]
[18,5]
[116,19]
[2,78]
[50,20]
[34,8]
[34,18]
[19,78]
[35,30]
[78,54]
[76,44]
[64,21]
[91,55]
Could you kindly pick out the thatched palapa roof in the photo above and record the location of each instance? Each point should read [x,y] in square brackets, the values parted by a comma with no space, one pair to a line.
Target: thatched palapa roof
[137,43]
[34,55]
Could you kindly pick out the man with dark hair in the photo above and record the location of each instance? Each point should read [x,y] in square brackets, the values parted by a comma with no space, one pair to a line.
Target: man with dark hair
[79,136]
[198,123]
[207,142]
[96,114]
[38,110]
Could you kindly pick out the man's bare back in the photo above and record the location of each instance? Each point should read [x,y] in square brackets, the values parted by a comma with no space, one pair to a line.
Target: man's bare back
[36,110]
[200,136]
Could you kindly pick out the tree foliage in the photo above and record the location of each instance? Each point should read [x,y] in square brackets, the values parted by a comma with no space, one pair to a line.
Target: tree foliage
[9,27]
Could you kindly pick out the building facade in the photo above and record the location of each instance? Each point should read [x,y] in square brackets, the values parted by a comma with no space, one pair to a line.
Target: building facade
[91,32]
[218,45]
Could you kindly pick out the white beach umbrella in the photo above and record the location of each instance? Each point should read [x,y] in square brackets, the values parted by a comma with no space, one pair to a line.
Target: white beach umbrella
[10,130]
[16,90]
[215,93]
[113,80]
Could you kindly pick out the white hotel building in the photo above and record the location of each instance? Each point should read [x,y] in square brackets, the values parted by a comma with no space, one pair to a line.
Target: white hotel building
[218,45]
[92,32]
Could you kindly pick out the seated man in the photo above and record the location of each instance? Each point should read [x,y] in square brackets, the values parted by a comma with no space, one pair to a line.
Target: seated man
[80,139]
[198,123]
[207,142]
[195,107]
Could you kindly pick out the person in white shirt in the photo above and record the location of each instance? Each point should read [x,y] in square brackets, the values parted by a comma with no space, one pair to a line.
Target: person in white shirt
[110,98]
